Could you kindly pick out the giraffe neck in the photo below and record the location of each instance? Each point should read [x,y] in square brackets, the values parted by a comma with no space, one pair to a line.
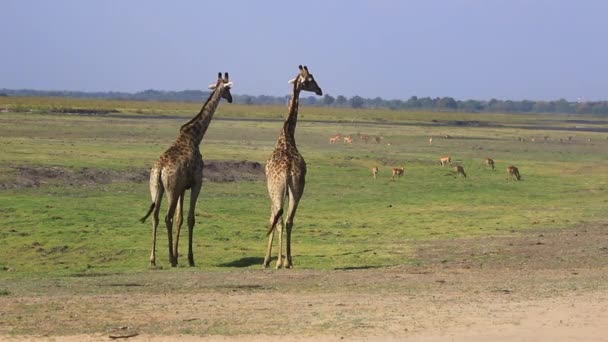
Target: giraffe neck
[195,129]
[289,128]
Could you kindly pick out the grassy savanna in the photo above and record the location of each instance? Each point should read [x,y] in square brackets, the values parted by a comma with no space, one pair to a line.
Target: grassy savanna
[346,220]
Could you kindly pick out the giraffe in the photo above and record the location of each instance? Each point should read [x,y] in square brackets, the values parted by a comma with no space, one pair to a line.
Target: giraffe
[180,168]
[286,172]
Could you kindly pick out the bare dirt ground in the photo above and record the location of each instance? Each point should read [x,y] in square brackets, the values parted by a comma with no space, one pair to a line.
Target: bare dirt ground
[34,176]
[537,285]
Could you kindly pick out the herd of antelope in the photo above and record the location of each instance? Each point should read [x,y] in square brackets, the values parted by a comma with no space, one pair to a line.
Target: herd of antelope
[348,139]
[397,172]
[512,171]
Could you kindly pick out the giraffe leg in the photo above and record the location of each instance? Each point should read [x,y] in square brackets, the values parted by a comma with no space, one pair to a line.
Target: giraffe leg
[179,220]
[155,221]
[276,191]
[294,200]
[156,191]
[173,200]
[196,189]
[280,253]
[268,249]
[273,213]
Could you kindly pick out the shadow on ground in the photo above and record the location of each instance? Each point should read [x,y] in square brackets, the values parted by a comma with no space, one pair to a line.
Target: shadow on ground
[244,262]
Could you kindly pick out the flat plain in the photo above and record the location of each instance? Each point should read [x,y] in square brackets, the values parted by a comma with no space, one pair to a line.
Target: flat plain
[427,256]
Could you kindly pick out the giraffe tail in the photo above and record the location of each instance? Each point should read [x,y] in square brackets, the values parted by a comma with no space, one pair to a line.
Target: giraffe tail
[143,219]
[275,220]
[156,197]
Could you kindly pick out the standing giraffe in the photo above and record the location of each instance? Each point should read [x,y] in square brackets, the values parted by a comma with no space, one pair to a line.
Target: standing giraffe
[286,172]
[181,168]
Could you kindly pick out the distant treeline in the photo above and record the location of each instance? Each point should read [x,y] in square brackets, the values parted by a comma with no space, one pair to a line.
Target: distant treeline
[413,103]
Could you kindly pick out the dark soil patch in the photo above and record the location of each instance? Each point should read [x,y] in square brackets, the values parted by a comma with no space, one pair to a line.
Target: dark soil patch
[35,176]
[233,171]
[84,111]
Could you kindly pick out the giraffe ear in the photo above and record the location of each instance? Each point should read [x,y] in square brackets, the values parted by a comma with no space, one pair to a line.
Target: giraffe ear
[228,85]
[293,80]
[212,86]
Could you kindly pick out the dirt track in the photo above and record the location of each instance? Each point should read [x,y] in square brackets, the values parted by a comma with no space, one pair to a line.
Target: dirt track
[545,285]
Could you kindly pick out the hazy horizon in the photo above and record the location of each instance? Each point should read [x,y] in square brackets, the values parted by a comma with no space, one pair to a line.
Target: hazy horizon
[536,50]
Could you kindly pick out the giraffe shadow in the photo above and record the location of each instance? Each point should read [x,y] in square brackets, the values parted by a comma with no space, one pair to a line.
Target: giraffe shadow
[243,262]
[365,267]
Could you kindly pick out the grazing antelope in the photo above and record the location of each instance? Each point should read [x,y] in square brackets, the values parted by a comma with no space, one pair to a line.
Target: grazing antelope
[398,171]
[378,139]
[364,138]
[348,140]
[513,173]
[430,141]
[334,139]
[460,171]
[375,172]
[445,160]
[490,162]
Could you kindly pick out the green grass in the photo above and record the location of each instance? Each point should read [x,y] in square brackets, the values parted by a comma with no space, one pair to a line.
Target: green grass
[345,220]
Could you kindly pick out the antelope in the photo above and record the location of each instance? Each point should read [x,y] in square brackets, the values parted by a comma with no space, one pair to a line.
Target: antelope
[513,173]
[363,137]
[334,139]
[490,162]
[445,160]
[398,171]
[348,140]
[378,139]
[430,141]
[460,171]
[375,172]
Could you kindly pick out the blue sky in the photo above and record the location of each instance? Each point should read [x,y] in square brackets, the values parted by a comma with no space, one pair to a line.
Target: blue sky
[481,49]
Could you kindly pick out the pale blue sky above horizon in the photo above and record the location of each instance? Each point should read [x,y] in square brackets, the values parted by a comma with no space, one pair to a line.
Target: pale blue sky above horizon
[466,49]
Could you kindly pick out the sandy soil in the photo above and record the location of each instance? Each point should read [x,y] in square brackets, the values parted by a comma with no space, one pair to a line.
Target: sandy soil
[538,285]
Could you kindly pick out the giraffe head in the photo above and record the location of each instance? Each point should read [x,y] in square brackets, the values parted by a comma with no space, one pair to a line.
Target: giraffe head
[223,84]
[307,81]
